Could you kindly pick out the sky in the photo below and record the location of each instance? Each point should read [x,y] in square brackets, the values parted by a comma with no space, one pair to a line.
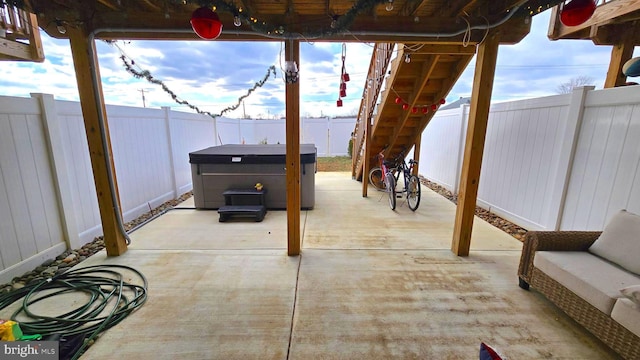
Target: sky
[213,75]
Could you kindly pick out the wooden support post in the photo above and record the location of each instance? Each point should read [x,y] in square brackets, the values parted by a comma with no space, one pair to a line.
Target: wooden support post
[416,154]
[366,162]
[292,98]
[620,53]
[474,145]
[85,63]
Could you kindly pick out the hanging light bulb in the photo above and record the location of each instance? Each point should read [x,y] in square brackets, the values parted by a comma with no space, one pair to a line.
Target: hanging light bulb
[334,21]
[60,27]
[237,21]
[407,58]
[389,6]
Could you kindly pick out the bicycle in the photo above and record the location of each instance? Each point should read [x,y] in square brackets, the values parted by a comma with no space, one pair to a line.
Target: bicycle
[411,183]
[382,178]
[392,171]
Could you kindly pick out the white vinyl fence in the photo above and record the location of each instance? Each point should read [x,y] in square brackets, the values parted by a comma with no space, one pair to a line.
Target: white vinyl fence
[48,200]
[559,162]
[565,162]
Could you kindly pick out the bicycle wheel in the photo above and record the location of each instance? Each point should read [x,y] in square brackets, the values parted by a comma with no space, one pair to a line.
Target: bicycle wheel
[375,179]
[391,189]
[413,193]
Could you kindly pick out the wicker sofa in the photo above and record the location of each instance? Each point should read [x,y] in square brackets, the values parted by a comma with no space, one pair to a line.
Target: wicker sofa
[561,266]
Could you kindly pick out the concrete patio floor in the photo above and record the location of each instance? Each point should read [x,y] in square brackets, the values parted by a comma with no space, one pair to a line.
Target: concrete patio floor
[371,283]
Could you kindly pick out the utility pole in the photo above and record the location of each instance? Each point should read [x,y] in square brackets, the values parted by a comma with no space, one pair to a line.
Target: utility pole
[244,111]
[144,104]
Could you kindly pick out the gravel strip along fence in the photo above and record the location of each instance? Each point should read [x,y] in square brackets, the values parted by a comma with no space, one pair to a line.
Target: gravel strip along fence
[493,219]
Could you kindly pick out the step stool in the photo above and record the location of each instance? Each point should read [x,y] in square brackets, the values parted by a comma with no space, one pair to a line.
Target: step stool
[243,203]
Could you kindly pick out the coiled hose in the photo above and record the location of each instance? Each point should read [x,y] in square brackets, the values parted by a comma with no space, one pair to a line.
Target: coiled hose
[110,300]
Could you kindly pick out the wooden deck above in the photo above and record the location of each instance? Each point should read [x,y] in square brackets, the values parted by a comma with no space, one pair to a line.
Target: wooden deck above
[19,35]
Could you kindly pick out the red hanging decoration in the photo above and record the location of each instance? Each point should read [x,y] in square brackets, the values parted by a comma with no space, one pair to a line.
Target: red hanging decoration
[344,77]
[442,101]
[414,110]
[405,106]
[434,107]
[339,103]
[206,23]
[577,12]
[398,100]
[425,110]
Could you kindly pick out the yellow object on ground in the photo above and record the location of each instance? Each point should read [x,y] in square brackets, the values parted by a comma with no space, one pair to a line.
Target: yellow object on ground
[9,330]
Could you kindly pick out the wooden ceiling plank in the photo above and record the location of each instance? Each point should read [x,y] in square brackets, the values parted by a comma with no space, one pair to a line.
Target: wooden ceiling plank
[602,15]
[151,5]
[411,7]
[109,4]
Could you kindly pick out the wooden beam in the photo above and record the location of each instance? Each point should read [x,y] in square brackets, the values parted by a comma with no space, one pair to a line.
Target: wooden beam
[35,41]
[93,108]
[366,166]
[603,14]
[474,145]
[416,153]
[292,96]
[620,53]
[14,50]
[390,29]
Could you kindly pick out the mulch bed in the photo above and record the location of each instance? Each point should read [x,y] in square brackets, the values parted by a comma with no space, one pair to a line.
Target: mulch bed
[493,219]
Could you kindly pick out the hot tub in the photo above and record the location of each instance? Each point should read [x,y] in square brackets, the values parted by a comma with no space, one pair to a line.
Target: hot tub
[217,169]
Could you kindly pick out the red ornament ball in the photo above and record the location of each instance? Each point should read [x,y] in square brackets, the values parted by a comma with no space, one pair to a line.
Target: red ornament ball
[398,100]
[405,106]
[425,110]
[414,110]
[577,12]
[206,23]
[434,107]
[443,101]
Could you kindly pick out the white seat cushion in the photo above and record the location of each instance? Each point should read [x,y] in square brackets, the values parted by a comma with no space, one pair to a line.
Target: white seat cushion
[620,241]
[627,314]
[595,280]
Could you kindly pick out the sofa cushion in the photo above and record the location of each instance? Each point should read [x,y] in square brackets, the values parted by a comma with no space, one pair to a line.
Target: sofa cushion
[595,280]
[620,241]
[632,293]
[627,314]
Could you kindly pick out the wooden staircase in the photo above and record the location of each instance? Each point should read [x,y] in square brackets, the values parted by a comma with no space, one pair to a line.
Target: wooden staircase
[414,83]
[19,36]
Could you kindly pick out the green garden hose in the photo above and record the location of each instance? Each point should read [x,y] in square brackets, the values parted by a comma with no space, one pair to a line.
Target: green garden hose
[110,300]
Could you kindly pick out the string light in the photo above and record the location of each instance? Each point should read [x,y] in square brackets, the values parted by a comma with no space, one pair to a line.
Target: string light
[60,27]
[414,110]
[389,6]
[407,58]
[334,21]
[236,21]
[147,75]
